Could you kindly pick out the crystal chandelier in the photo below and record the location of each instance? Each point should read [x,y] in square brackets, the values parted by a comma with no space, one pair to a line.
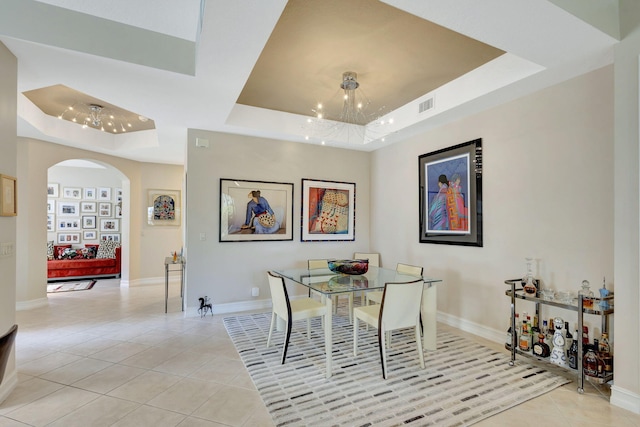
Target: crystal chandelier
[354,124]
[95,116]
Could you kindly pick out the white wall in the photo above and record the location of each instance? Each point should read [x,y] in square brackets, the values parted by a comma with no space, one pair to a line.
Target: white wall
[8,225]
[227,271]
[547,194]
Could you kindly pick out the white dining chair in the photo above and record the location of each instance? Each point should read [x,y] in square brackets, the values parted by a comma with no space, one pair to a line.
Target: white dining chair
[291,310]
[411,270]
[399,309]
[314,264]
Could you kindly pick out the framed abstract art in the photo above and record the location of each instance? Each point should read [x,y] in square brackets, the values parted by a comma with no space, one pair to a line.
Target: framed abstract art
[328,211]
[164,208]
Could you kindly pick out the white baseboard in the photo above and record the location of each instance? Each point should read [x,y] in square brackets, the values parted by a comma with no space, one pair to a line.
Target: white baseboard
[472,327]
[147,281]
[31,304]
[233,307]
[8,384]
[625,399]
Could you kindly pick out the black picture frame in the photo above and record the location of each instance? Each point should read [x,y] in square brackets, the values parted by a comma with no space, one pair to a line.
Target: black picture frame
[450,195]
[328,211]
[235,195]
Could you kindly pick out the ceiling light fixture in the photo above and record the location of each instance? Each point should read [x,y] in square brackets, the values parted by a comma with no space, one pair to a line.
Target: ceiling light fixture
[355,124]
[95,116]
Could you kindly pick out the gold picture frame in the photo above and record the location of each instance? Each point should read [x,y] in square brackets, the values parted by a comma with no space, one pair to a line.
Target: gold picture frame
[8,196]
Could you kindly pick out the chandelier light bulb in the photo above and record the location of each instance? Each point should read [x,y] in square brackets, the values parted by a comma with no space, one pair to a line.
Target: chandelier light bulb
[71,108]
[319,106]
[84,126]
[74,120]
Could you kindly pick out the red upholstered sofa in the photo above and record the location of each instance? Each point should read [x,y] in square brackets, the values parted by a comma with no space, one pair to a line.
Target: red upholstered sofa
[84,268]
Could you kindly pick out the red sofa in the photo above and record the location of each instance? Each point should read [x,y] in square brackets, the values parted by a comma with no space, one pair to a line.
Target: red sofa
[84,268]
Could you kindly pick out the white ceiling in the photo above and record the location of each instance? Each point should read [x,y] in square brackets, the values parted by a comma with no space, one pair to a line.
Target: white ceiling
[149,56]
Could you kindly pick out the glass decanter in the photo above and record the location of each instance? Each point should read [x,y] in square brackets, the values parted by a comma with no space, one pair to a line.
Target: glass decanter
[586,294]
[529,283]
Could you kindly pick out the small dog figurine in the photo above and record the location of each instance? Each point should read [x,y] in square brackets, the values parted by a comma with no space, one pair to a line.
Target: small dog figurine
[205,305]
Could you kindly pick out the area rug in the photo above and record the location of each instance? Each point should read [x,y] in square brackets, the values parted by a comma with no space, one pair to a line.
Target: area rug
[463,382]
[70,286]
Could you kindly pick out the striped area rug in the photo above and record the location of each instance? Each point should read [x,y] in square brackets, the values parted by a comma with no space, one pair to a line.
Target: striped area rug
[462,384]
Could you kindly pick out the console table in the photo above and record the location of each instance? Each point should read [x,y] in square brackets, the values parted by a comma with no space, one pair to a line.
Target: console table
[181,263]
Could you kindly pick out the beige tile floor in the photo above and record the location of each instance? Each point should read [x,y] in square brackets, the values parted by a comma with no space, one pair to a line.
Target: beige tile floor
[112,357]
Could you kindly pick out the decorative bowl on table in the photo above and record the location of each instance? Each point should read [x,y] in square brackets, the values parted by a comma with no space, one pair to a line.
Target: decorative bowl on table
[349,266]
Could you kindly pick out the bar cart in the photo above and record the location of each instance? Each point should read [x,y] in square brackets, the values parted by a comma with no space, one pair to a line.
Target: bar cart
[516,292]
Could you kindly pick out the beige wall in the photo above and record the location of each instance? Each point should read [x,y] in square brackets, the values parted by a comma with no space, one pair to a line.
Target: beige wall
[8,166]
[227,271]
[144,247]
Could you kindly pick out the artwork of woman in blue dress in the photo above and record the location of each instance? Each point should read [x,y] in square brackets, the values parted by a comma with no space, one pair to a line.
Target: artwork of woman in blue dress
[438,218]
[260,216]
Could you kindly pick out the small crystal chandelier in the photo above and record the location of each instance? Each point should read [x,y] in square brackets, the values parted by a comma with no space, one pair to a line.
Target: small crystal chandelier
[355,123]
[95,116]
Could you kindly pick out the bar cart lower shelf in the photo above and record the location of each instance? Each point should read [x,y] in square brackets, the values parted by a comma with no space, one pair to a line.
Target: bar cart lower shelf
[602,307]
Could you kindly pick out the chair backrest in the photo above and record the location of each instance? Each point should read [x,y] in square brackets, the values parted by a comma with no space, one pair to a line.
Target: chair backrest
[400,306]
[315,264]
[374,259]
[411,270]
[279,296]
[6,341]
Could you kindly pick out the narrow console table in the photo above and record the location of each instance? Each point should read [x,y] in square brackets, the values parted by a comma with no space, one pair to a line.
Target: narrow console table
[181,263]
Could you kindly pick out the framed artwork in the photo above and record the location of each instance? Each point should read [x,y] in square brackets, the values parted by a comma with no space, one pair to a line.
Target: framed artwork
[53,189]
[89,193]
[104,193]
[90,235]
[68,208]
[109,225]
[72,193]
[253,211]
[88,207]
[51,222]
[115,237]
[68,224]
[328,211]
[164,207]
[450,195]
[8,196]
[68,238]
[89,221]
[51,206]
[104,209]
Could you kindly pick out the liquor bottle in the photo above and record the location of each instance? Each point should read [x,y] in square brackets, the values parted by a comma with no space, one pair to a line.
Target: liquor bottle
[568,338]
[541,349]
[604,347]
[551,331]
[545,329]
[525,340]
[534,330]
[572,354]
[605,353]
[509,340]
[590,362]
[585,335]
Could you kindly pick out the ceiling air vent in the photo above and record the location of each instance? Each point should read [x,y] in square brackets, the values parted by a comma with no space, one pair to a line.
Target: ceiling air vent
[425,105]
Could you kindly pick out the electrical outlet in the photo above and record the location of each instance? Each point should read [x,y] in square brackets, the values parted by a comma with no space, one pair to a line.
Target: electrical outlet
[255,292]
[203,236]
[6,249]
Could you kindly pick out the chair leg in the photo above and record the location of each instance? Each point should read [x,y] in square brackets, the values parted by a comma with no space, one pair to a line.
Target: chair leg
[286,340]
[351,308]
[383,352]
[355,336]
[308,328]
[273,321]
[419,345]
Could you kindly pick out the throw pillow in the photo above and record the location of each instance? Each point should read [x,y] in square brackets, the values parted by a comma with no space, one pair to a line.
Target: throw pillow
[107,249]
[89,252]
[59,250]
[49,250]
[71,253]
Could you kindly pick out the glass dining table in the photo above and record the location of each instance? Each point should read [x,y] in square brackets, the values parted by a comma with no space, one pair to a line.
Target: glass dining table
[329,283]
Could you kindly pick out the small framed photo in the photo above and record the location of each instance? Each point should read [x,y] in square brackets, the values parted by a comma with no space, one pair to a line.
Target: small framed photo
[328,211]
[104,209]
[8,196]
[51,206]
[51,223]
[68,238]
[89,193]
[104,193]
[109,225]
[89,221]
[68,224]
[53,189]
[112,237]
[68,209]
[90,235]
[72,193]
[88,207]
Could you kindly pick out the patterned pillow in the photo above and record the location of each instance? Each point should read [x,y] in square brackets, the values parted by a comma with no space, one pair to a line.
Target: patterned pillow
[58,250]
[49,250]
[107,249]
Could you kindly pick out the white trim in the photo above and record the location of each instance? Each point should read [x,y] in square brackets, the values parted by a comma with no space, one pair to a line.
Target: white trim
[8,384]
[233,307]
[31,304]
[625,399]
[147,281]
[473,328]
